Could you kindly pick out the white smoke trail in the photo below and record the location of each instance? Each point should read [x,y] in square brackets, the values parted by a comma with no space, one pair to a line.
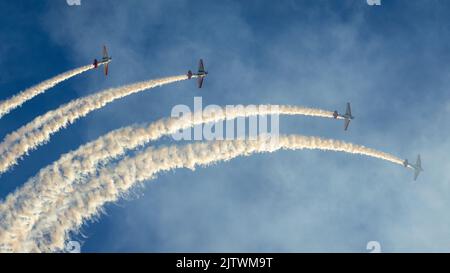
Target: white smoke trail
[41,192]
[28,137]
[17,100]
[87,199]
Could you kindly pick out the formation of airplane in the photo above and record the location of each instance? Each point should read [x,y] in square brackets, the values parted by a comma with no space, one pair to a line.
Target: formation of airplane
[201,74]
[416,167]
[347,116]
[105,60]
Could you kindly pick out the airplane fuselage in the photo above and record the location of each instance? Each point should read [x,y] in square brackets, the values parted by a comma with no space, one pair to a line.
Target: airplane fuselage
[412,166]
[102,61]
[344,116]
[201,74]
[347,116]
[197,75]
[105,60]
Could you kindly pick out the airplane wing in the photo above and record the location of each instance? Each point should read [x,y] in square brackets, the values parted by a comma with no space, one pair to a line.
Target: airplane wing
[347,122]
[200,82]
[349,110]
[105,52]
[416,174]
[418,167]
[201,68]
[106,69]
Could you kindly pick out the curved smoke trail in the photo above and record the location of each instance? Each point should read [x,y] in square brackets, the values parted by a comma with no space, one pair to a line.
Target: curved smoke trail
[17,100]
[87,199]
[53,182]
[30,136]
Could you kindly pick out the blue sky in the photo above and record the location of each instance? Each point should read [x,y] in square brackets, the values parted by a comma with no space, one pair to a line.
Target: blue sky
[390,61]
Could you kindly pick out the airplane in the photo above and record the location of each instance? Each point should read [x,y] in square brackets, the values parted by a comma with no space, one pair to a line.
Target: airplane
[201,74]
[347,116]
[416,167]
[105,60]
